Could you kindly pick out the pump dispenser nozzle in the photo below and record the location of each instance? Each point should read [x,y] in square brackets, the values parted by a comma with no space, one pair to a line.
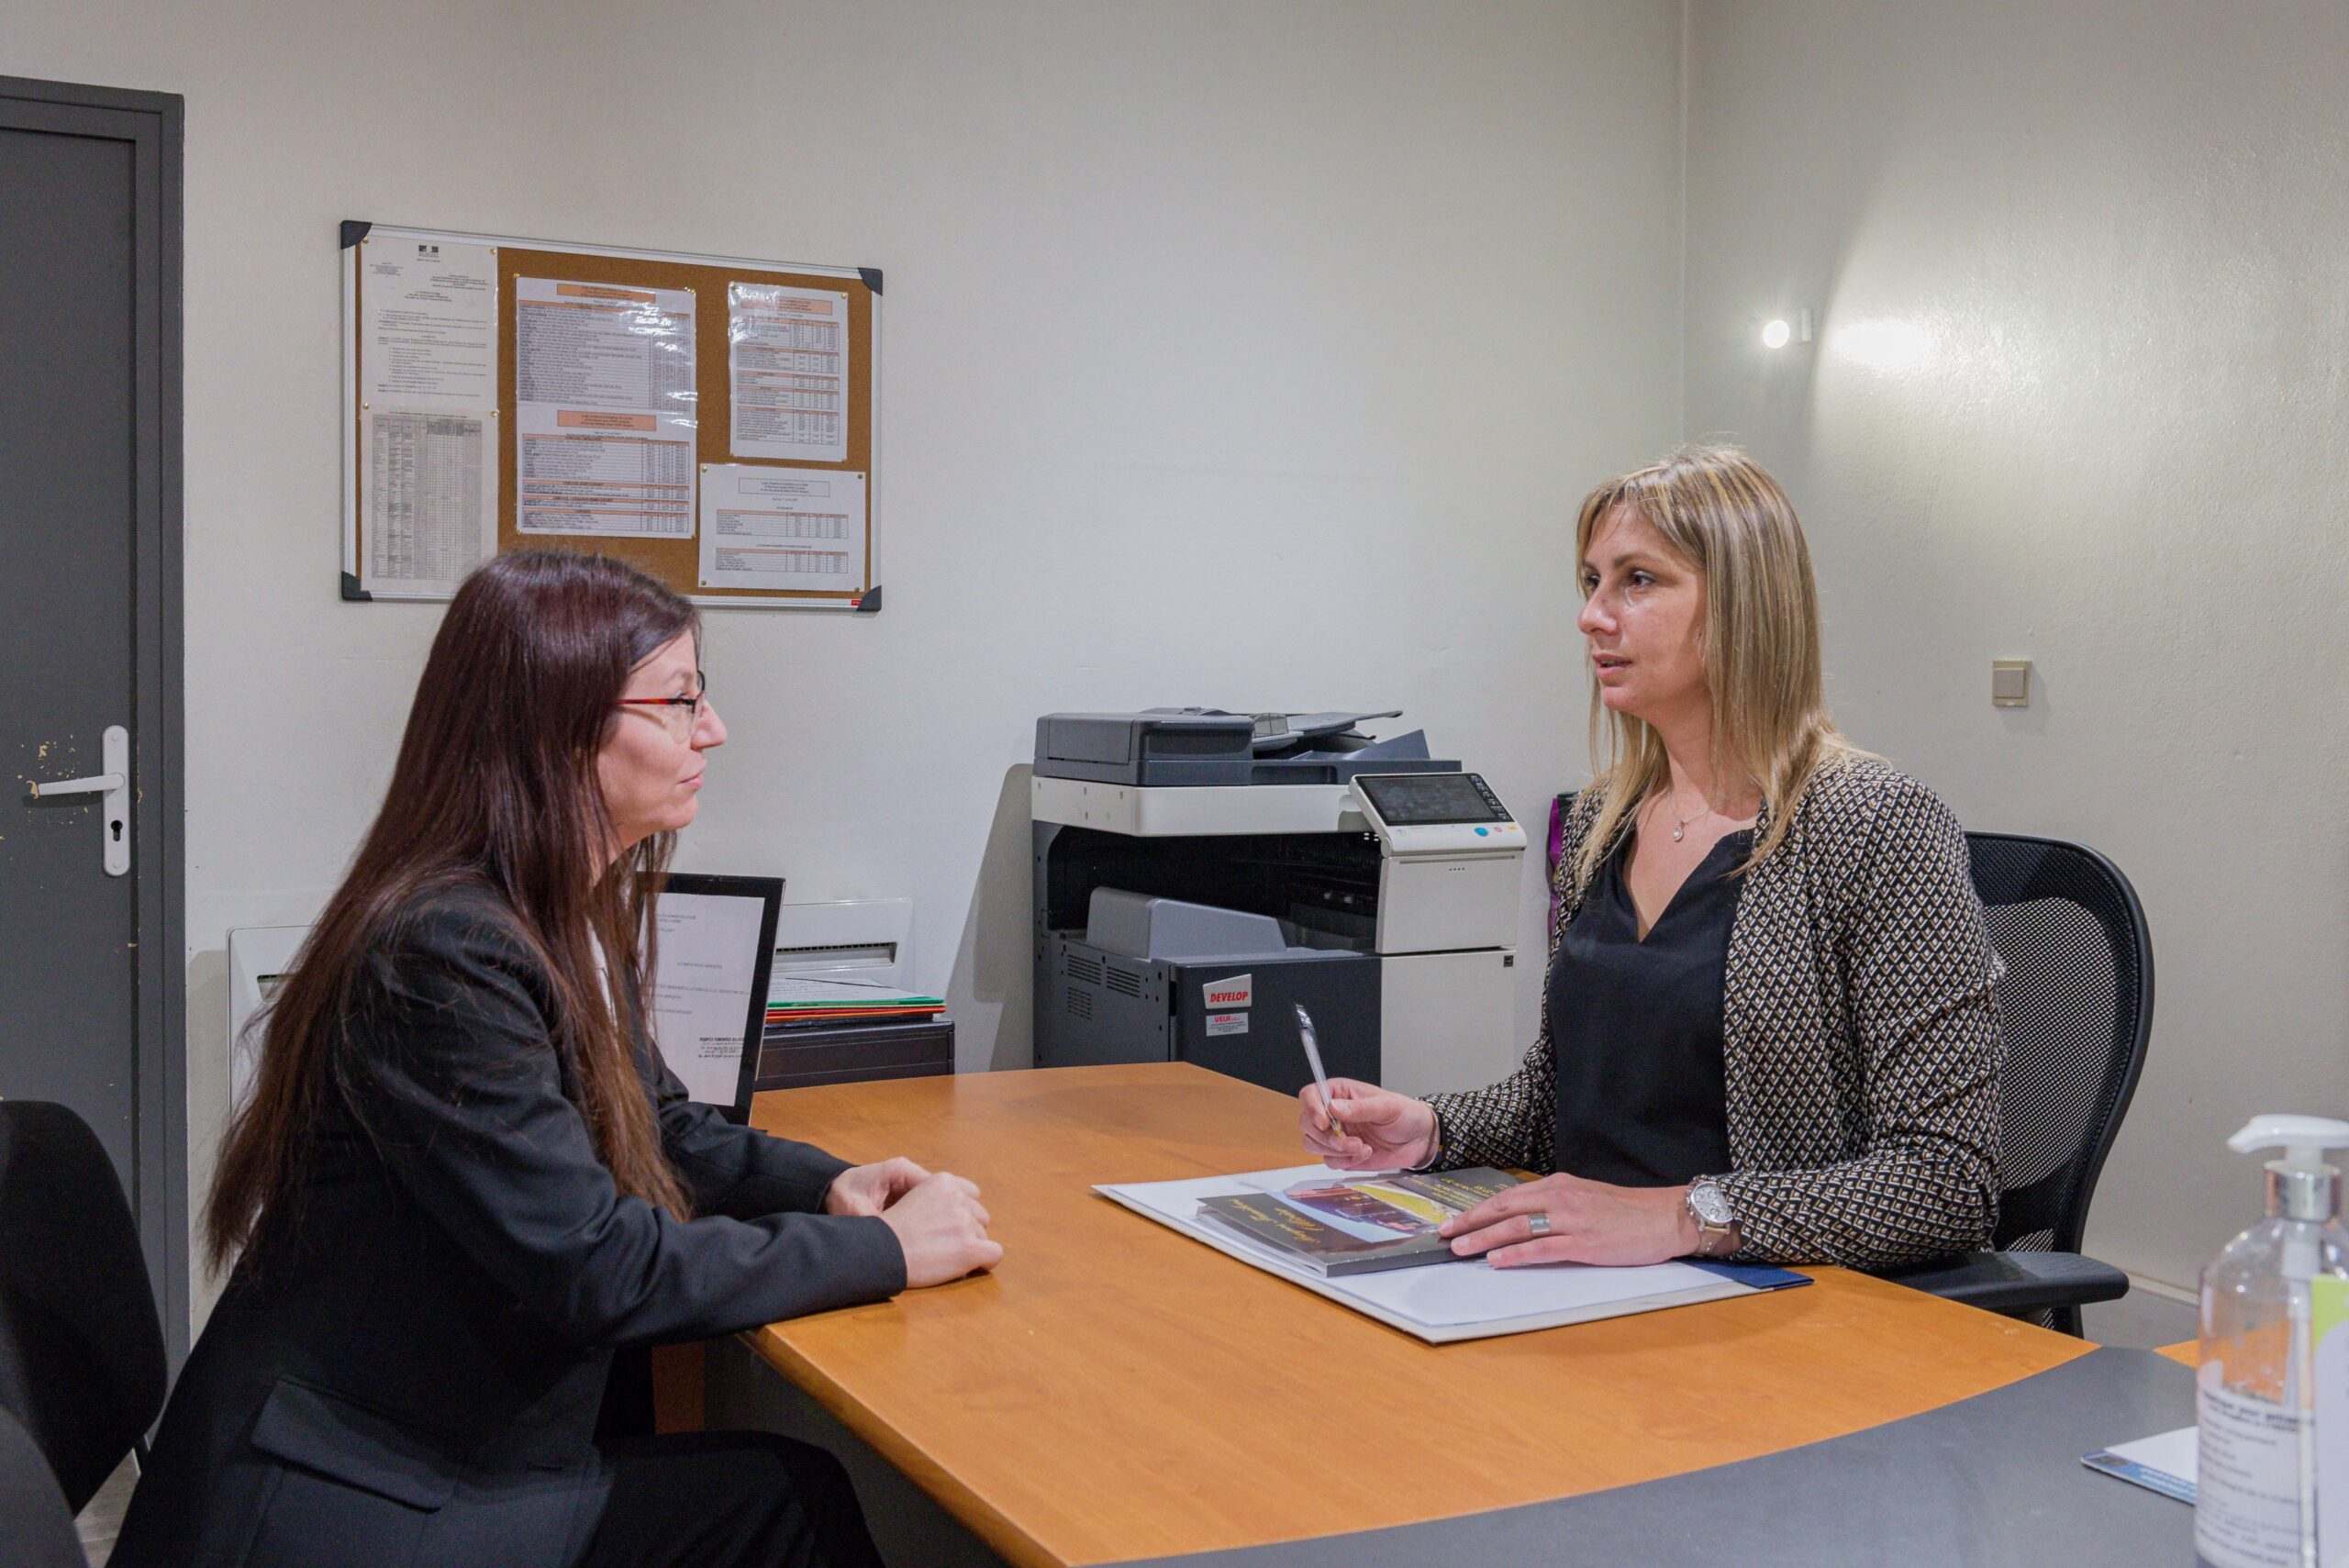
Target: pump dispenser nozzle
[2302,1185]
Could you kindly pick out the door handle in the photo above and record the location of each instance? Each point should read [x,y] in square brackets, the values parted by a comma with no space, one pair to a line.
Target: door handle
[114,785]
[93,785]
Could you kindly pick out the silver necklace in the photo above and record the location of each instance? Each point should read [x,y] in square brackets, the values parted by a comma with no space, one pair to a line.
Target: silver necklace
[1680,824]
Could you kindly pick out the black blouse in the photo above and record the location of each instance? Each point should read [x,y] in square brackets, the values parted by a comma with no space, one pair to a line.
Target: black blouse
[1636,1027]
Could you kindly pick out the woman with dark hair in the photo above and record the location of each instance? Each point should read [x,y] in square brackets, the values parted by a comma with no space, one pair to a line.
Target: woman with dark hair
[465,1176]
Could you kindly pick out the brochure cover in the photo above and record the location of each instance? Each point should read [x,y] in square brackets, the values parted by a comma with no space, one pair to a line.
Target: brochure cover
[1340,1227]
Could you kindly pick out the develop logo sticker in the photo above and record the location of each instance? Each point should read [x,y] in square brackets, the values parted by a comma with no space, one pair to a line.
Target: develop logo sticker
[1239,991]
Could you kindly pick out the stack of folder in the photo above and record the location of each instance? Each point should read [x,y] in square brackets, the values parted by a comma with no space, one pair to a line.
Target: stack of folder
[802,1004]
[833,1030]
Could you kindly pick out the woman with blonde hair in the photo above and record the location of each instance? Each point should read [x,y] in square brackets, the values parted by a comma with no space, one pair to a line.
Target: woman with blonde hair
[1769,1028]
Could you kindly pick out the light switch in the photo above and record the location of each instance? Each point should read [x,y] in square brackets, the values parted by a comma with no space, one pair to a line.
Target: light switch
[2010,682]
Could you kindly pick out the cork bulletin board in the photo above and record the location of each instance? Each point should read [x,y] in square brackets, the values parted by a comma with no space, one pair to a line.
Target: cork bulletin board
[708,419]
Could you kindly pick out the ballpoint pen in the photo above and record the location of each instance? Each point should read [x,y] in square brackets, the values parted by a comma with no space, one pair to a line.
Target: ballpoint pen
[1313,1059]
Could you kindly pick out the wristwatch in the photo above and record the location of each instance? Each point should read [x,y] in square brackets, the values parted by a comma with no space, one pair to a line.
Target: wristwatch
[1716,1221]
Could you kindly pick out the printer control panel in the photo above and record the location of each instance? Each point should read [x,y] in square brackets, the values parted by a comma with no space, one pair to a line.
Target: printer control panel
[1436,814]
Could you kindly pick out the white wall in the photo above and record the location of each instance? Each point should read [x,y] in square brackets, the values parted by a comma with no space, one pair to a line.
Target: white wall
[2107,429]
[1238,354]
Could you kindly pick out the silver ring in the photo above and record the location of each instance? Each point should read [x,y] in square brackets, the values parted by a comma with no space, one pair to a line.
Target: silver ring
[1539,1224]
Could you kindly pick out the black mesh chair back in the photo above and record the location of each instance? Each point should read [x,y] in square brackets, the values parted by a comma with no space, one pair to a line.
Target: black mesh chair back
[81,1348]
[2077,999]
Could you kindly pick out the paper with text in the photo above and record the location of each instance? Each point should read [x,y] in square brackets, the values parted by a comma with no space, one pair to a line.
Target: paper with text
[787,372]
[431,513]
[428,365]
[701,996]
[782,529]
[430,337]
[604,409]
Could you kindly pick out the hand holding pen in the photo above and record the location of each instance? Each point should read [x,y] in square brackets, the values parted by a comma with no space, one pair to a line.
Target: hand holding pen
[1356,1126]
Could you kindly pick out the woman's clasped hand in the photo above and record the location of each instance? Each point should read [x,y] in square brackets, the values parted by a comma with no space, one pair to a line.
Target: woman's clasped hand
[938,1218]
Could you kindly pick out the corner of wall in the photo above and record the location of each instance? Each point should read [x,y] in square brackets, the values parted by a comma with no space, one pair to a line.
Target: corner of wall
[1687,48]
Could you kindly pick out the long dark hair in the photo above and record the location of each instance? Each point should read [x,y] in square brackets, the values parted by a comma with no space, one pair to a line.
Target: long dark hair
[495,787]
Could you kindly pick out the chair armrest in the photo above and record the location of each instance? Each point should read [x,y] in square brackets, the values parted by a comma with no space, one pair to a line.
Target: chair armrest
[2016,1281]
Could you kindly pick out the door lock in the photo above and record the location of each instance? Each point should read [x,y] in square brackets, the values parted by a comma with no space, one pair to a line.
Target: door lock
[114,787]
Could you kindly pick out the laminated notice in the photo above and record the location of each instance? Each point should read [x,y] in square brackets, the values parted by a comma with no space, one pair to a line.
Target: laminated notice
[604,409]
[787,368]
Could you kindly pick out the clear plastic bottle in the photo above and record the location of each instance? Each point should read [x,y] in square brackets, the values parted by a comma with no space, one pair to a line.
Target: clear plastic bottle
[2255,1484]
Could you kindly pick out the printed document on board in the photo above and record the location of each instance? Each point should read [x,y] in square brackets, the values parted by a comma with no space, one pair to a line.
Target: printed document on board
[431,504]
[787,372]
[782,529]
[604,409]
[428,368]
[430,337]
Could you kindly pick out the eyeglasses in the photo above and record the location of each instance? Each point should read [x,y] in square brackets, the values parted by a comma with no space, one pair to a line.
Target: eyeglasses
[680,715]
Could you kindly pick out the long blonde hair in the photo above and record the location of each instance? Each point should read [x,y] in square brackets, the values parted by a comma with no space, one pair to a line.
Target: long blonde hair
[1719,510]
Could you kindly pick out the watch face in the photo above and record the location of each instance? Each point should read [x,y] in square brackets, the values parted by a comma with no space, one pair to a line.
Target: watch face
[1710,1204]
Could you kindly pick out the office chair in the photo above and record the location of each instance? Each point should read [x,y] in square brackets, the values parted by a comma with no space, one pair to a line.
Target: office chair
[36,1526]
[80,1346]
[2078,1005]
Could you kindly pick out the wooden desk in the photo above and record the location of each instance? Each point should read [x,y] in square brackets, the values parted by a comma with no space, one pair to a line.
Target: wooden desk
[1117,1391]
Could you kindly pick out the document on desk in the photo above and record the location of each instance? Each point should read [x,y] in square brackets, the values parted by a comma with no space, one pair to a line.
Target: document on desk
[604,417]
[428,362]
[2165,1463]
[1465,1299]
[701,995]
[782,529]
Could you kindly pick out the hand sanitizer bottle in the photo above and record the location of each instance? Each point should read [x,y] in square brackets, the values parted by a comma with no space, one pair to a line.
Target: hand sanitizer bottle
[2256,1406]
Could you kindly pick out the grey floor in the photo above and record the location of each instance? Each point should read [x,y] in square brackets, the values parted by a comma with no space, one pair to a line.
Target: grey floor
[2140,1320]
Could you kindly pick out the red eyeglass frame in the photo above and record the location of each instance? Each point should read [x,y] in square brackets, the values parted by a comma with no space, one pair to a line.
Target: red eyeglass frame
[693,704]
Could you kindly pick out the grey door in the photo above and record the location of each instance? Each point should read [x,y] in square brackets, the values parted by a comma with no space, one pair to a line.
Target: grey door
[91,994]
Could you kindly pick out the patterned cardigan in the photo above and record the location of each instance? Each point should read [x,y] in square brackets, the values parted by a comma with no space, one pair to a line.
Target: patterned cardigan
[1860,1042]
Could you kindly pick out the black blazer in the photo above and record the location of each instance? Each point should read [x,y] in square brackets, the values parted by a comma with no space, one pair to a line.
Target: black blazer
[409,1370]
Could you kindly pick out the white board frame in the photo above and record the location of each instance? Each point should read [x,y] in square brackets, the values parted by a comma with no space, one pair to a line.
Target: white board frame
[349,401]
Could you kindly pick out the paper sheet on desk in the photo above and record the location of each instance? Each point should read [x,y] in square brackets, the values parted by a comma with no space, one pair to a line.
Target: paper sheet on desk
[2167,1463]
[1468,1300]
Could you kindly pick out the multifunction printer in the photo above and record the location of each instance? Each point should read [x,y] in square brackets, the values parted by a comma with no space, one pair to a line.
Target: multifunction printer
[1198,873]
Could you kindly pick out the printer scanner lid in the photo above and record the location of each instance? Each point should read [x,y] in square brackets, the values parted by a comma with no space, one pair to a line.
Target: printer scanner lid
[1193,746]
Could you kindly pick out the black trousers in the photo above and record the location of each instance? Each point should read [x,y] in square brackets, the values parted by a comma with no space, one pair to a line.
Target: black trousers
[728,1500]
